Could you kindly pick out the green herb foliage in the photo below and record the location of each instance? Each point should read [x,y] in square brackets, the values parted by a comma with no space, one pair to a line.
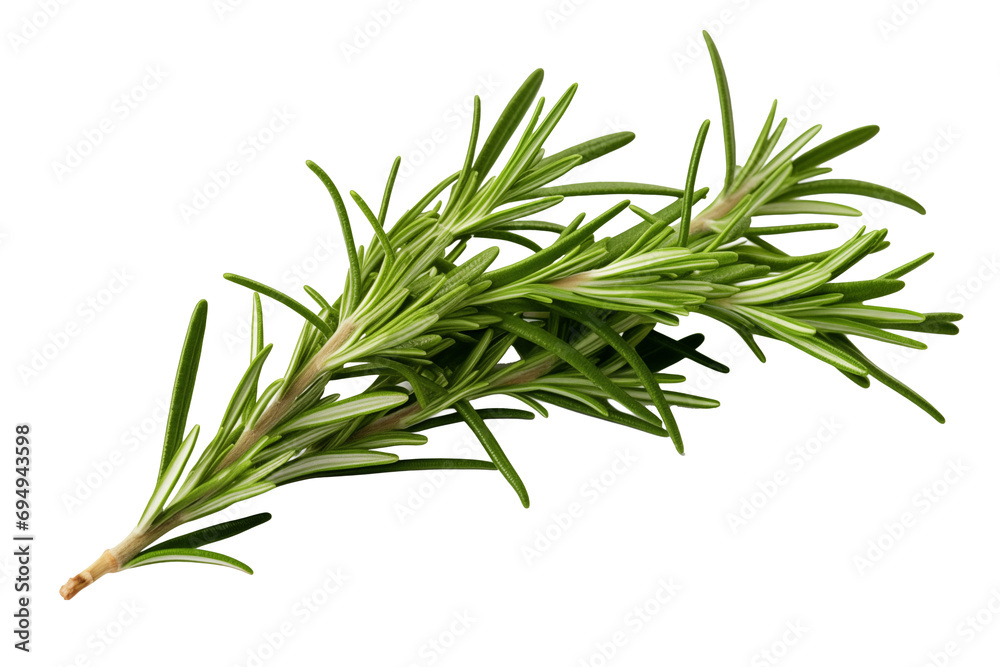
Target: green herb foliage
[434,332]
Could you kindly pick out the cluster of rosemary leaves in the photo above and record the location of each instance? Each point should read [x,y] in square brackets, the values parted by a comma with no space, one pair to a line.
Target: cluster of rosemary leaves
[429,327]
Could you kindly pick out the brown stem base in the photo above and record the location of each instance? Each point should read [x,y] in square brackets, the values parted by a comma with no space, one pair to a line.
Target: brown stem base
[113,559]
[106,564]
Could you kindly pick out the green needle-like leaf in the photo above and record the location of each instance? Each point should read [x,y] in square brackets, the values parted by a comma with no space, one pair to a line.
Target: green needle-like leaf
[406,465]
[511,237]
[383,240]
[845,326]
[317,463]
[791,229]
[186,556]
[384,209]
[849,348]
[187,372]
[283,299]
[692,174]
[485,413]
[466,174]
[608,413]
[901,271]
[862,290]
[609,188]
[832,148]
[805,207]
[348,408]
[726,105]
[590,150]
[851,187]
[507,124]
[492,447]
[389,439]
[216,533]
[256,346]
[354,268]
[934,323]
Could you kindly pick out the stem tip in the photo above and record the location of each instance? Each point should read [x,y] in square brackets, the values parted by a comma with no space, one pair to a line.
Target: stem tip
[103,565]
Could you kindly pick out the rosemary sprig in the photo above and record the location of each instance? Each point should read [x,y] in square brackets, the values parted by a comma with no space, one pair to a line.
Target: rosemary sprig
[573,325]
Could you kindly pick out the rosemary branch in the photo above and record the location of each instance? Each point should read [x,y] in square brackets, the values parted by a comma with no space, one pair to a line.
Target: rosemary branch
[575,324]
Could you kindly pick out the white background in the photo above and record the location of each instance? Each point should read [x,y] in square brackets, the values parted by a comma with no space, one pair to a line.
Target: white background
[925,72]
